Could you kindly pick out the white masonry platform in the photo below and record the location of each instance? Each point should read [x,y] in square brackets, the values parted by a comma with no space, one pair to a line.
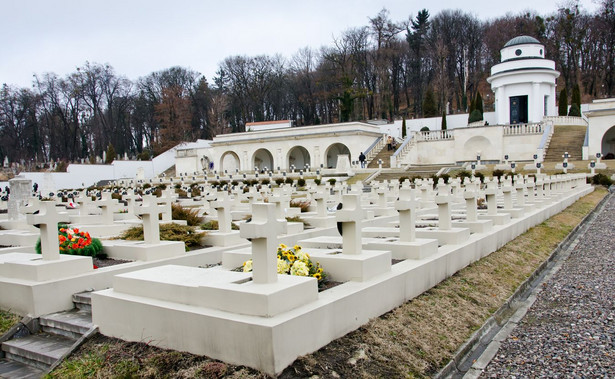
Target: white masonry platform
[196,310]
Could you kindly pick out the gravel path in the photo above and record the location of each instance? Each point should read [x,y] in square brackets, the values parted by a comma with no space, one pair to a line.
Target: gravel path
[569,332]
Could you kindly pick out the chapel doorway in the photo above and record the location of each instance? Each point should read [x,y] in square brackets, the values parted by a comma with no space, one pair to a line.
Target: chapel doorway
[518,110]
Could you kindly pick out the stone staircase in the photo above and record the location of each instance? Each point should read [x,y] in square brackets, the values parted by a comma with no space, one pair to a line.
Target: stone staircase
[569,139]
[424,171]
[383,154]
[31,355]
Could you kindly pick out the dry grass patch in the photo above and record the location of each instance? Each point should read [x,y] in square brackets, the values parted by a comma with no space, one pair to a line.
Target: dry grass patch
[414,340]
[7,320]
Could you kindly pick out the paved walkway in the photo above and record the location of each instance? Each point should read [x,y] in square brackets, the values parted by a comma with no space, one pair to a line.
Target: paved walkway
[569,330]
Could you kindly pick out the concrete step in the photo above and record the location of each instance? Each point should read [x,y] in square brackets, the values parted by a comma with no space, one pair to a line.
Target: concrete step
[83,300]
[37,350]
[72,324]
[13,370]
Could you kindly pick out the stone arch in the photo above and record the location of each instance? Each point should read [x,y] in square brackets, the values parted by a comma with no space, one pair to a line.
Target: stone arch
[299,157]
[262,158]
[333,151]
[474,145]
[607,145]
[229,161]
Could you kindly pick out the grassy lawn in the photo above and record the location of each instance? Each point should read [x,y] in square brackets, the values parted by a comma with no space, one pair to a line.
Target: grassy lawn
[414,340]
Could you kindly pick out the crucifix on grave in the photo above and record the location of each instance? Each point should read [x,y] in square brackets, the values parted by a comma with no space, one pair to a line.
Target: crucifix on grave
[263,230]
[47,220]
[223,209]
[469,194]
[443,201]
[490,194]
[107,204]
[406,206]
[350,216]
[149,211]
[520,187]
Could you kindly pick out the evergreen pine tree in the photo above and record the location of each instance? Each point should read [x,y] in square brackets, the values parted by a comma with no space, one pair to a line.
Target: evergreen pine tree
[478,102]
[443,127]
[576,97]
[429,105]
[562,105]
[403,128]
[111,155]
[575,110]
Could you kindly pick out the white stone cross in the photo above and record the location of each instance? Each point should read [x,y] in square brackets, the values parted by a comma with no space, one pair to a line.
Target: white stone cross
[520,187]
[165,200]
[84,201]
[47,219]
[351,216]
[443,201]
[107,204]
[507,189]
[130,202]
[321,203]
[490,193]
[223,209]
[282,202]
[470,195]
[406,206]
[149,211]
[263,230]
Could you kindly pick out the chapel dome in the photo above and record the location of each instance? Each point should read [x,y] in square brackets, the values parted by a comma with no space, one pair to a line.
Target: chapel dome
[521,40]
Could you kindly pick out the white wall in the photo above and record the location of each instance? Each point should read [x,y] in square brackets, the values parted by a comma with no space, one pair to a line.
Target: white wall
[433,123]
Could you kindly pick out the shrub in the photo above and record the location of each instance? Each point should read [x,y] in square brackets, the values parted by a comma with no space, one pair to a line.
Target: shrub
[168,232]
[264,182]
[574,110]
[332,181]
[279,181]
[181,193]
[213,225]
[463,174]
[402,178]
[116,196]
[424,129]
[476,115]
[498,174]
[223,183]
[317,181]
[234,183]
[73,241]
[303,204]
[481,176]
[146,186]
[143,156]
[255,181]
[297,219]
[191,216]
[289,181]
[300,182]
[601,179]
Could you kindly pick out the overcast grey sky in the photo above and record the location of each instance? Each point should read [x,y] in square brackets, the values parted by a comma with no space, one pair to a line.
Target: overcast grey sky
[138,37]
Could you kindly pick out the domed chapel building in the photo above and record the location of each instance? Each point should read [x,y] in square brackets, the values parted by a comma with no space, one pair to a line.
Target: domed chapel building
[524,82]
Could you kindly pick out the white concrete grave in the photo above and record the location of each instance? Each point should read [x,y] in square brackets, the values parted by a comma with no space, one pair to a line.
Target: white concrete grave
[50,264]
[492,214]
[224,236]
[353,262]
[225,305]
[151,248]
[180,307]
[472,222]
[445,233]
[407,246]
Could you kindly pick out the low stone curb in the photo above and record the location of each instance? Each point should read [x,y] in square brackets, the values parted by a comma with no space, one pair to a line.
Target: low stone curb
[481,340]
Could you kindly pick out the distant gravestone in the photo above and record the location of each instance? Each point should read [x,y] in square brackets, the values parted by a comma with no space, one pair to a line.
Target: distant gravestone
[140,173]
[19,196]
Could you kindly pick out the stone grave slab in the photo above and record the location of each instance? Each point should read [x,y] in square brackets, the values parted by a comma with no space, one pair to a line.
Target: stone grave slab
[32,267]
[223,290]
